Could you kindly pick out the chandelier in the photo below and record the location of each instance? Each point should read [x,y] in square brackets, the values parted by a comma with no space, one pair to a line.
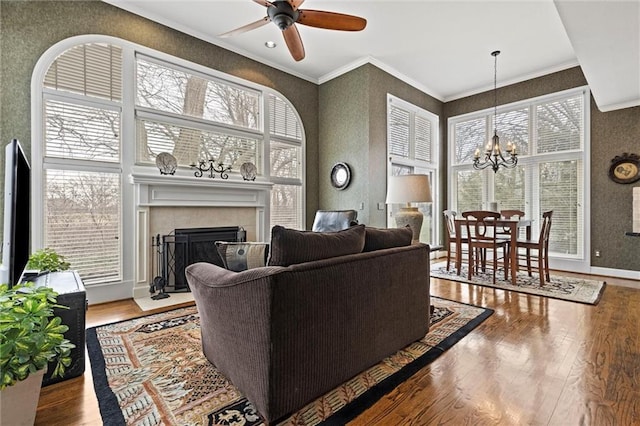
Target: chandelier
[493,154]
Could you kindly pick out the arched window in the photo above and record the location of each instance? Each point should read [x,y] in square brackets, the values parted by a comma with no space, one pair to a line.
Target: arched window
[107,105]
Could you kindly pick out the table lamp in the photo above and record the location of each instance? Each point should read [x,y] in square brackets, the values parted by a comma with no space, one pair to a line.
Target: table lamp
[407,189]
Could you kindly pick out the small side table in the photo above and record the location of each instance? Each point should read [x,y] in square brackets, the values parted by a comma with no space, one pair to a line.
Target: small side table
[71,293]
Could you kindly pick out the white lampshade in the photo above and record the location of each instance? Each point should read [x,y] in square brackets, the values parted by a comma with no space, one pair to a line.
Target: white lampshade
[408,189]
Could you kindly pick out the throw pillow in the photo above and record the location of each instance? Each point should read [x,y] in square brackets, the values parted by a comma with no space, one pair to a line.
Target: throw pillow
[242,256]
[378,238]
[290,246]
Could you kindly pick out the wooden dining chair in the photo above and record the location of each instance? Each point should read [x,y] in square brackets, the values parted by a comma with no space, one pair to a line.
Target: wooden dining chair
[509,214]
[538,250]
[482,236]
[451,238]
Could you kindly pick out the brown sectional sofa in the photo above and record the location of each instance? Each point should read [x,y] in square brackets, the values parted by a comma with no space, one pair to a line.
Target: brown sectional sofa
[285,335]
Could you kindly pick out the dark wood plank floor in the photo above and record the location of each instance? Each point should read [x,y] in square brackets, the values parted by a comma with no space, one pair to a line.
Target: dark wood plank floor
[535,361]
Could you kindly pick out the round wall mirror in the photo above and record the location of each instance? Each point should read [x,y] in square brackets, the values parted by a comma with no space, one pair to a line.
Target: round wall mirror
[340,176]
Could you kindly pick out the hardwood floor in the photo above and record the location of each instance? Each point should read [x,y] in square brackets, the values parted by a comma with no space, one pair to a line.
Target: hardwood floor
[535,361]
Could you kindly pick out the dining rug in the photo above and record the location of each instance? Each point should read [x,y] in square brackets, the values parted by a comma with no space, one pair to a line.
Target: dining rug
[151,370]
[561,287]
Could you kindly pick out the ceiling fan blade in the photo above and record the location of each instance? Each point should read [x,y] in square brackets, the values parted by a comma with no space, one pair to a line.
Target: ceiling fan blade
[331,20]
[295,4]
[265,3]
[245,28]
[294,42]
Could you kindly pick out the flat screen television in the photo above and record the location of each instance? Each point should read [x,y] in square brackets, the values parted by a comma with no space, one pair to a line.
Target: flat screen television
[17,214]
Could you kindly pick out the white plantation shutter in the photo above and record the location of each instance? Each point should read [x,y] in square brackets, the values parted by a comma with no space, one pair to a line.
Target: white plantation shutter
[410,133]
[90,69]
[82,132]
[423,139]
[398,129]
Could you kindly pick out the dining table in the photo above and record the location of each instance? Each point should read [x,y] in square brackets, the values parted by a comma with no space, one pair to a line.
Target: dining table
[512,225]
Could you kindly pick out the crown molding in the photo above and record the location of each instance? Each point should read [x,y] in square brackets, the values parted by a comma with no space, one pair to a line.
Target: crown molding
[384,67]
[519,79]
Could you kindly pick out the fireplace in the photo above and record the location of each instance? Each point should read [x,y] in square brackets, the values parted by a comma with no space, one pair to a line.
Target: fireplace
[164,204]
[183,247]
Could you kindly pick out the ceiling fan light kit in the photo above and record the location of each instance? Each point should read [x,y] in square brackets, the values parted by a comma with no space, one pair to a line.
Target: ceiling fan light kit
[285,14]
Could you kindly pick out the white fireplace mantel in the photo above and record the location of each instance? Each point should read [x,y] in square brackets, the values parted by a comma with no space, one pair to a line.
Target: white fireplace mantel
[153,189]
[181,190]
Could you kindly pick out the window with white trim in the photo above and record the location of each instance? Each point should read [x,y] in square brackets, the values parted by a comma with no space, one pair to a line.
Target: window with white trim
[82,179]
[412,135]
[551,136]
[172,107]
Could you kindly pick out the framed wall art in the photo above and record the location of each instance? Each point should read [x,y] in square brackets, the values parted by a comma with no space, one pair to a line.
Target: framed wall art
[625,168]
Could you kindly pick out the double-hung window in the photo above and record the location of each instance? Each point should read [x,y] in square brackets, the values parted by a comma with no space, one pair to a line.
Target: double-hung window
[412,135]
[551,134]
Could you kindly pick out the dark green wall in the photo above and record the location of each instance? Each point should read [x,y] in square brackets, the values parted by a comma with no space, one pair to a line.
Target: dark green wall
[29,28]
[612,133]
[344,137]
[353,129]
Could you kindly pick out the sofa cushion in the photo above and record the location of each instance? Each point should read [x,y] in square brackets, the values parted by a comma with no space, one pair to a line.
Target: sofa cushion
[290,246]
[242,256]
[379,238]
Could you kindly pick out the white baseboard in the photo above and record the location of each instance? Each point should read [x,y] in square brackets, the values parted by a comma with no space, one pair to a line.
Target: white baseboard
[141,292]
[102,293]
[617,273]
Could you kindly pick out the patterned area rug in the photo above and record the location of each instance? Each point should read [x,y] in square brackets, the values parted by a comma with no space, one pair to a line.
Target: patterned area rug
[565,288]
[151,371]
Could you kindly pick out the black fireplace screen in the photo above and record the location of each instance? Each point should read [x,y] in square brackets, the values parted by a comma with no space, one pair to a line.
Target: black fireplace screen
[176,251]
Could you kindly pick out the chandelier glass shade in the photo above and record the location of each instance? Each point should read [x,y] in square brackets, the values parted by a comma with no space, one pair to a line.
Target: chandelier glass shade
[494,155]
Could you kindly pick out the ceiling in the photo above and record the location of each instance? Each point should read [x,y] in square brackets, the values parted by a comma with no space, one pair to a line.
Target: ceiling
[441,47]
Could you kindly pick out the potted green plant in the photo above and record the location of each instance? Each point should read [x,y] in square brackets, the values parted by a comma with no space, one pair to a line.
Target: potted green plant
[47,260]
[31,336]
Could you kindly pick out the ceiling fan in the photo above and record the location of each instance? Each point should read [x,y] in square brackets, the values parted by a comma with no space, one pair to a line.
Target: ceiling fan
[285,14]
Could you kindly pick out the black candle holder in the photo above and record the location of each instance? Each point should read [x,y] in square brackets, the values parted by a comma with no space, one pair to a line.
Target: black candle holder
[212,168]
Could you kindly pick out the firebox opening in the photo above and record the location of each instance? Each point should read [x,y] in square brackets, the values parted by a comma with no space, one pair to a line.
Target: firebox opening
[175,251]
